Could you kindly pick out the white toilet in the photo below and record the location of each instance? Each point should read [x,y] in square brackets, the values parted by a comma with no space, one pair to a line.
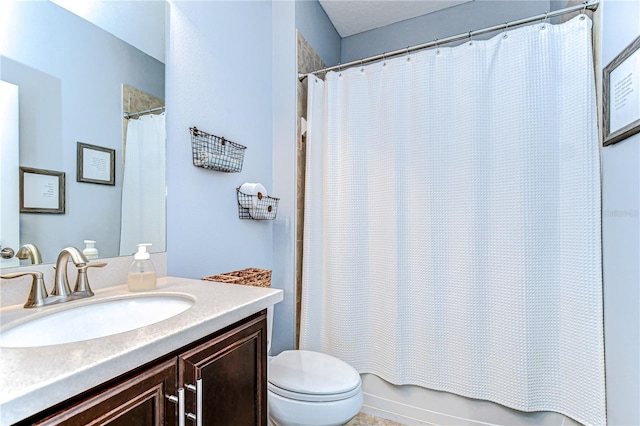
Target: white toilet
[308,388]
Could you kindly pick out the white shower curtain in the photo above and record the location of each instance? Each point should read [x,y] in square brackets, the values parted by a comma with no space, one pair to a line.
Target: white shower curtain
[452,221]
[143,185]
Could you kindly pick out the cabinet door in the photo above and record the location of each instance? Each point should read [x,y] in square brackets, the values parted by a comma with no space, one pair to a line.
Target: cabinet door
[233,369]
[140,400]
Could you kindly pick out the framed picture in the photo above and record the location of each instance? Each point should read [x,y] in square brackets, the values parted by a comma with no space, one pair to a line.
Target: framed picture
[41,191]
[96,164]
[621,95]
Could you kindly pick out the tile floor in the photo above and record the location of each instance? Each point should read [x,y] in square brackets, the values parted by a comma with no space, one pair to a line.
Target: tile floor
[363,419]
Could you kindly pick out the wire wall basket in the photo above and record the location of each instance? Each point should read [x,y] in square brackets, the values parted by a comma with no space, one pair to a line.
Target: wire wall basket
[258,207]
[215,152]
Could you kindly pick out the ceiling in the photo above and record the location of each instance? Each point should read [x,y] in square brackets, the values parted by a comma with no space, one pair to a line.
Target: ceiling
[351,17]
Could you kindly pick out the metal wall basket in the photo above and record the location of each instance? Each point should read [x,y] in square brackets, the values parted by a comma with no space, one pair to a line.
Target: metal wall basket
[258,207]
[216,153]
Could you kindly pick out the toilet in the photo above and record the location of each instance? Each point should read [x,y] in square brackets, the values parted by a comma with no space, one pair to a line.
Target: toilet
[307,388]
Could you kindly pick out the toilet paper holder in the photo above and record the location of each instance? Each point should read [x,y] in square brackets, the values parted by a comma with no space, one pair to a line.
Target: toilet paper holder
[257,207]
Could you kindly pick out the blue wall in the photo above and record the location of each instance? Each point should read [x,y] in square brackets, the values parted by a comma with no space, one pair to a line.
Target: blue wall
[315,26]
[621,238]
[284,172]
[232,72]
[219,80]
[456,20]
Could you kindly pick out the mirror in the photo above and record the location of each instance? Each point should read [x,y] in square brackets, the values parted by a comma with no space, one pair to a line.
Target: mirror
[75,82]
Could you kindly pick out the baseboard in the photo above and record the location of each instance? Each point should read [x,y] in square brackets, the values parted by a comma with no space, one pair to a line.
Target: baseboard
[411,415]
[417,406]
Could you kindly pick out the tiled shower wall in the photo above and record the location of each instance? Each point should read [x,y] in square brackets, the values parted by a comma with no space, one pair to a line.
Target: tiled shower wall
[134,100]
[308,60]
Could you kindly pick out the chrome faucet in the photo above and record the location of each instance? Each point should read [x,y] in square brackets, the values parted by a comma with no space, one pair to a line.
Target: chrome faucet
[61,291]
[82,288]
[38,295]
[61,281]
[30,251]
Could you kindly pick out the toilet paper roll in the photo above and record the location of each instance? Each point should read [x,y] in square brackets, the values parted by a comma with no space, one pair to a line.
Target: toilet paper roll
[247,189]
[206,159]
[261,192]
[257,192]
[263,211]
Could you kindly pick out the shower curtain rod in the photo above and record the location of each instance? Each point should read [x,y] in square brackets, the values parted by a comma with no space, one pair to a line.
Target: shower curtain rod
[590,4]
[128,115]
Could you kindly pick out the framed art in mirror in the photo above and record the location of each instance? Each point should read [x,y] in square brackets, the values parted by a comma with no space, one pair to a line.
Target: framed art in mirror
[621,95]
[41,191]
[96,164]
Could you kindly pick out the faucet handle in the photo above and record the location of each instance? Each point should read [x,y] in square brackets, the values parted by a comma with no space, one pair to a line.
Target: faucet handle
[61,282]
[82,281]
[38,292]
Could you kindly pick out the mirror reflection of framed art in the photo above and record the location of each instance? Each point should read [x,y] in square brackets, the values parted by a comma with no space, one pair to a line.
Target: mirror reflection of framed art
[41,191]
[96,164]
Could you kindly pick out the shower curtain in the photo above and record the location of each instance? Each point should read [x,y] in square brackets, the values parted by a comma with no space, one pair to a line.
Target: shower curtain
[452,221]
[143,185]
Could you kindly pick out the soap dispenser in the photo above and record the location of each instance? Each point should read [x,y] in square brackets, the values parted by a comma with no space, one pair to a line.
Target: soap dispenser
[142,274]
[90,251]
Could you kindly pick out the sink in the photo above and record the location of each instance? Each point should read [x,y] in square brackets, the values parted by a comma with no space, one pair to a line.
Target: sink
[91,321]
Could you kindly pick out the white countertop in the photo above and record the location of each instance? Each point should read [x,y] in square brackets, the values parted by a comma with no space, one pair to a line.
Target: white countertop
[33,379]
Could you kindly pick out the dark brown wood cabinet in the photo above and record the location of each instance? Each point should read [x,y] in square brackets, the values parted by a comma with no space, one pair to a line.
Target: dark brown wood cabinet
[228,368]
[233,367]
[140,400]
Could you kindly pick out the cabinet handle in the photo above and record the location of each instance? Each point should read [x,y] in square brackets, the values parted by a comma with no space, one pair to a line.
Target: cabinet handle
[180,400]
[198,390]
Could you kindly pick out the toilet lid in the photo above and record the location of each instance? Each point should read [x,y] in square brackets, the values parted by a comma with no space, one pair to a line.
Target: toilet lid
[312,373]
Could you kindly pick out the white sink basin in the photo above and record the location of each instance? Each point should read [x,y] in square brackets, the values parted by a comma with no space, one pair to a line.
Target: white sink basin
[93,320]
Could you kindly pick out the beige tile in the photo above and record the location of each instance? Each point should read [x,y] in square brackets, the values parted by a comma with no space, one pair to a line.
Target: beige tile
[363,419]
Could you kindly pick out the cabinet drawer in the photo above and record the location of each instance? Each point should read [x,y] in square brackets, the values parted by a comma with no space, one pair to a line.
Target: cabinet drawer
[139,401]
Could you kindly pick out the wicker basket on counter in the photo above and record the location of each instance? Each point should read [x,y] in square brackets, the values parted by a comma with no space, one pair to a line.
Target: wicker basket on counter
[250,276]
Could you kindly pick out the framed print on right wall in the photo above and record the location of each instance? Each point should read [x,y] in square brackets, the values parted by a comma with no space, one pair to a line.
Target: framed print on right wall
[621,95]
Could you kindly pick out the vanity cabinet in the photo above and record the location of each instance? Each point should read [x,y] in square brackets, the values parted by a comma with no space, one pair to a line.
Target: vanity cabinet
[233,373]
[230,365]
[139,400]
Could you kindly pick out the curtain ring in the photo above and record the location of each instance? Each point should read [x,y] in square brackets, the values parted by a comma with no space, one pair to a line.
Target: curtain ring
[384,59]
[470,39]
[584,10]
[437,48]
[407,53]
[361,67]
[544,22]
[506,27]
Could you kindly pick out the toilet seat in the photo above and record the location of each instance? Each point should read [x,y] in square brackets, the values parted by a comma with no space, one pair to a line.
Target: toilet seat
[312,376]
[310,397]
